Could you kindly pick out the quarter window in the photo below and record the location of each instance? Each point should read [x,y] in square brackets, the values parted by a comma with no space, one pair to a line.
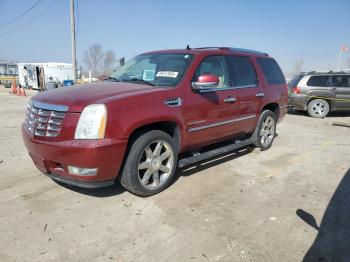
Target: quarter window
[272,72]
[241,71]
[318,81]
[341,81]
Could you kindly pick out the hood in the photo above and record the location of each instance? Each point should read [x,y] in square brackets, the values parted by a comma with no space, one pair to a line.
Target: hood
[77,97]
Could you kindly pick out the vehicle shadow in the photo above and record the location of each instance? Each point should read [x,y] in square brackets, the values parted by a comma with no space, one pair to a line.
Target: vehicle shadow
[210,162]
[117,189]
[296,112]
[339,114]
[110,191]
[333,240]
[345,113]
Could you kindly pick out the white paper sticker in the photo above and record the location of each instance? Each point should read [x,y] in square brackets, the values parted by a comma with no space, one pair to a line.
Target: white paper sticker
[167,74]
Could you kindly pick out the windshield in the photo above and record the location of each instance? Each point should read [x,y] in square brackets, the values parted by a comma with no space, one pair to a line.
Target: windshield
[154,69]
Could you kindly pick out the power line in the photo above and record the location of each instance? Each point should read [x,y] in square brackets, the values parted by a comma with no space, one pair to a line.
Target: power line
[31,21]
[21,15]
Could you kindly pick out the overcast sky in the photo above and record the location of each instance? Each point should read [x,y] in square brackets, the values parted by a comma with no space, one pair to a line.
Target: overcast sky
[287,30]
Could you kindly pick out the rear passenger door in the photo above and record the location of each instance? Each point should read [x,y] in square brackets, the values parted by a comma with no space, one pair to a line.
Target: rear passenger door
[318,86]
[341,88]
[243,78]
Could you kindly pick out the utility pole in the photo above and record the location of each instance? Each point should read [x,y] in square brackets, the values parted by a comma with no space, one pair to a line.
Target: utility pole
[72,28]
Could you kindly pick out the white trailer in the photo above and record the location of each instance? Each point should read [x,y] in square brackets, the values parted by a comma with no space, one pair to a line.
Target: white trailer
[38,75]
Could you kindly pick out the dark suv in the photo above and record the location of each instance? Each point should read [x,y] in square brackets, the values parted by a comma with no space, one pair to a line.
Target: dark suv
[158,111]
[319,93]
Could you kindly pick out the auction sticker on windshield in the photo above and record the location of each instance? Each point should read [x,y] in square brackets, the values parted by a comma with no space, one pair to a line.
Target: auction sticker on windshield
[172,74]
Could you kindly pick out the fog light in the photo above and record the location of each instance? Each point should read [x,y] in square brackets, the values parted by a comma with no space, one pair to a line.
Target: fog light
[80,171]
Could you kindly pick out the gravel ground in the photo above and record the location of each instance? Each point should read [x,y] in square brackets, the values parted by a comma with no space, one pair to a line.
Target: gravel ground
[286,204]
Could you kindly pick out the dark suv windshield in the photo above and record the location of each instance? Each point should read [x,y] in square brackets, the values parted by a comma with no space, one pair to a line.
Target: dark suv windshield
[154,69]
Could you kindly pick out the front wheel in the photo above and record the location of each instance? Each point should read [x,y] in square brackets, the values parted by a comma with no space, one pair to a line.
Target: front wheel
[265,130]
[150,165]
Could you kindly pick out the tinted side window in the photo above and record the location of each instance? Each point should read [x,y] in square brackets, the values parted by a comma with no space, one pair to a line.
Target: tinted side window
[272,71]
[318,81]
[241,71]
[213,65]
[341,81]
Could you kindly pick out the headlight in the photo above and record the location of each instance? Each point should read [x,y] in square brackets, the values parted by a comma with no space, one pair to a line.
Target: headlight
[92,122]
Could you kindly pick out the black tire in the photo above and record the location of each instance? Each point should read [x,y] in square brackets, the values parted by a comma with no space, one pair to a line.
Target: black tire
[258,133]
[318,108]
[130,176]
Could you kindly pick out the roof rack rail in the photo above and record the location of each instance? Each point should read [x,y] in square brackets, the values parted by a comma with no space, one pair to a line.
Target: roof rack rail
[208,47]
[325,72]
[235,49]
[243,50]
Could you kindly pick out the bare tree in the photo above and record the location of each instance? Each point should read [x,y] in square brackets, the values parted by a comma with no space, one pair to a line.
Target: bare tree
[93,57]
[97,61]
[109,62]
[297,66]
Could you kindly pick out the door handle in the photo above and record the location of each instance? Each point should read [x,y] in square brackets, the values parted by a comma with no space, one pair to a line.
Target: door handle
[230,100]
[260,94]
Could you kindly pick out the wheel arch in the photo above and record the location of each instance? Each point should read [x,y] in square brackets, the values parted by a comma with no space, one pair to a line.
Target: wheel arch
[273,107]
[170,127]
[329,101]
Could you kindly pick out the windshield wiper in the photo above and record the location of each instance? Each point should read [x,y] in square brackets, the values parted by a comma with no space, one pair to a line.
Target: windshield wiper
[110,78]
[139,80]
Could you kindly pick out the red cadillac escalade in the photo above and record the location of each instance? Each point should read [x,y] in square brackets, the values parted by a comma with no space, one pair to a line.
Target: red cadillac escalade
[159,111]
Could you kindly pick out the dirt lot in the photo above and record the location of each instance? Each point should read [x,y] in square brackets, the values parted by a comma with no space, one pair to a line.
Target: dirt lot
[246,206]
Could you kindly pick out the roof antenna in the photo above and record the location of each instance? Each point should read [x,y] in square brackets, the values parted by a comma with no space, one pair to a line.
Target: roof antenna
[188,47]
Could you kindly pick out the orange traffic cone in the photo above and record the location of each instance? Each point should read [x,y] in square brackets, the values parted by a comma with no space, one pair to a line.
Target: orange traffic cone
[14,88]
[19,93]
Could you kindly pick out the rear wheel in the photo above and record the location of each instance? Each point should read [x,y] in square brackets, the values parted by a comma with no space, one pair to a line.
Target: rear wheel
[265,131]
[150,165]
[318,108]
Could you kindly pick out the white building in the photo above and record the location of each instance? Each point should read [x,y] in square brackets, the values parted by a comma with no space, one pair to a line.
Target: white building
[37,75]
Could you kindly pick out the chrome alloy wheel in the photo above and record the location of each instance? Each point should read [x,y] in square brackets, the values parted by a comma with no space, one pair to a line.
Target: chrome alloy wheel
[319,108]
[267,131]
[156,164]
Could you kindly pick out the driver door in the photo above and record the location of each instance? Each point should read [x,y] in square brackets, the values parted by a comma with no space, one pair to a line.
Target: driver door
[209,114]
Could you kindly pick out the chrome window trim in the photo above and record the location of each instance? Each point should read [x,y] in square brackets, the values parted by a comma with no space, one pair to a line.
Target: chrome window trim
[226,88]
[194,129]
[47,106]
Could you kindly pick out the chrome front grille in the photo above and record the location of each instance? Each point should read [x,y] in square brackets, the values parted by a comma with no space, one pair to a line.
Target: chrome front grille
[43,122]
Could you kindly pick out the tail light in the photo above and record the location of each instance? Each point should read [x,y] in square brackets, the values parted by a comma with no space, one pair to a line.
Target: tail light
[296,90]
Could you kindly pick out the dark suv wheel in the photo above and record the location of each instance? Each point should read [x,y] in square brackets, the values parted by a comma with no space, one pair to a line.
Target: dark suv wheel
[151,164]
[318,108]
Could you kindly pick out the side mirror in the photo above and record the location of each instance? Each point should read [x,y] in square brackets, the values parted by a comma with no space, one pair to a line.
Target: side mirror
[205,82]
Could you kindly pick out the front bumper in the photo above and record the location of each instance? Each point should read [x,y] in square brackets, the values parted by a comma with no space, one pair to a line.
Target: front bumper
[81,184]
[52,159]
